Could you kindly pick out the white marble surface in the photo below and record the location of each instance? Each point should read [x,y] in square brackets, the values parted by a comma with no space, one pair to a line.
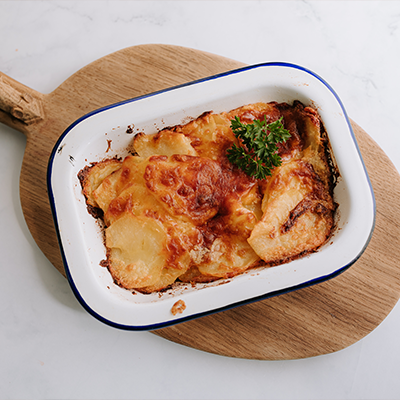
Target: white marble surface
[50,348]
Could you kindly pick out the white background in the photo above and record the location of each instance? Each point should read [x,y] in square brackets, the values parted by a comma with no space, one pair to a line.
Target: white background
[50,348]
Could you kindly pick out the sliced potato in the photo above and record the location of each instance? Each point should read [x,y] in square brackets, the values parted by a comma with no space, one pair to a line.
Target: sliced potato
[186,186]
[91,178]
[227,257]
[130,171]
[163,143]
[273,245]
[136,250]
[168,277]
[297,217]
[210,135]
[135,198]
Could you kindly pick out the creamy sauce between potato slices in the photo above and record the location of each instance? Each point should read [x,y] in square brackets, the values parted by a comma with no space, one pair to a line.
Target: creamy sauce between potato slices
[178,210]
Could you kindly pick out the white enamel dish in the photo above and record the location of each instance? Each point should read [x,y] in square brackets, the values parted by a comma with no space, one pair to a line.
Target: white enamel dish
[103,134]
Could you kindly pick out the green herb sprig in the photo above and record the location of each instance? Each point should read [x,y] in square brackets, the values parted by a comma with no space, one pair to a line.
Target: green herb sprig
[258,153]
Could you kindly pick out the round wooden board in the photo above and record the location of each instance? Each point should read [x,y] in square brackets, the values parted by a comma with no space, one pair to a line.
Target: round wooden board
[317,320]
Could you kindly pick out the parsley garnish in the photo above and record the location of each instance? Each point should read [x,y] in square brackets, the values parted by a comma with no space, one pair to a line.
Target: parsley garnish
[257,156]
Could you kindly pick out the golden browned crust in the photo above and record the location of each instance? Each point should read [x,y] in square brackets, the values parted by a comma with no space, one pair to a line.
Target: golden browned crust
[180,211]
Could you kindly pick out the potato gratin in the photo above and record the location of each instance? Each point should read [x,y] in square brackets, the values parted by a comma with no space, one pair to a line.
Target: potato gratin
[178,210]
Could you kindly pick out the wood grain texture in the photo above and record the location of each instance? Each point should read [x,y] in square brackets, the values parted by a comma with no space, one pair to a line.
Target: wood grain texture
[317,320]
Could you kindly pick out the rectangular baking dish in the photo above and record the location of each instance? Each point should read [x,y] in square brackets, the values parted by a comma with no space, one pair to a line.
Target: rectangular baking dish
[107,132]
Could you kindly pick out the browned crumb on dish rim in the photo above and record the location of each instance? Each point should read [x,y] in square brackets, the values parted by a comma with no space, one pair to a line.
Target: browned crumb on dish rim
[178,307]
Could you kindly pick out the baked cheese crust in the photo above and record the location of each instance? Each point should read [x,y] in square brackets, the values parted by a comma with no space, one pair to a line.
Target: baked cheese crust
[178,210]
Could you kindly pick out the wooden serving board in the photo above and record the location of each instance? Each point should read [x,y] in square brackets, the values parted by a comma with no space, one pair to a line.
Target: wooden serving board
[317,320]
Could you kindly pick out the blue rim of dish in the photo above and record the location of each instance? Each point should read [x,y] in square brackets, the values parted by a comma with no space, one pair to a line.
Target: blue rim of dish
[160,325]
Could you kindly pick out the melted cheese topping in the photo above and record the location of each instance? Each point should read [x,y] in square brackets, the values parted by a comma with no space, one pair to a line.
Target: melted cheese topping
[178,210]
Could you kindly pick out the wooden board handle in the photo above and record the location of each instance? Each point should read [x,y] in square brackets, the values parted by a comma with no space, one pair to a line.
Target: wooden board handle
[20,106]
